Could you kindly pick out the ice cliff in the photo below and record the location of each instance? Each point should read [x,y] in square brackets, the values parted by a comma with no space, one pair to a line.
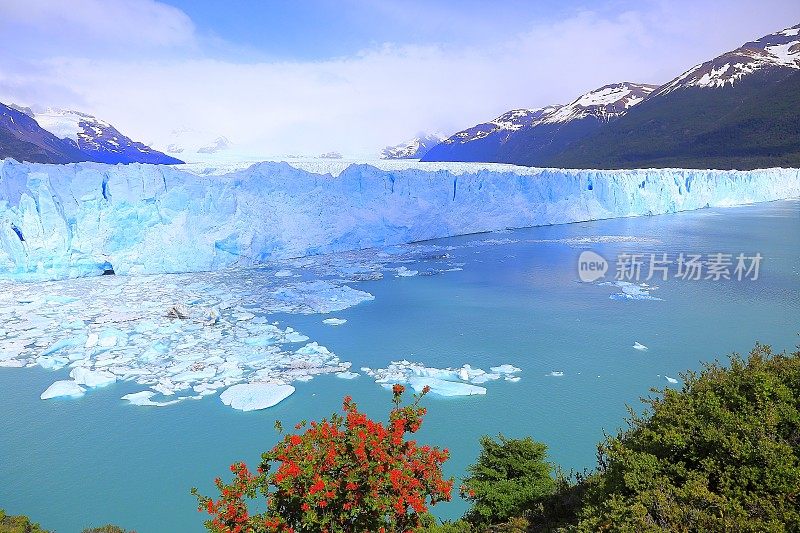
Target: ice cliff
[61,221]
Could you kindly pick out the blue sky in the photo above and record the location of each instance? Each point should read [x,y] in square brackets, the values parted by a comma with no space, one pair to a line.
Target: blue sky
[307,30]
[306,77]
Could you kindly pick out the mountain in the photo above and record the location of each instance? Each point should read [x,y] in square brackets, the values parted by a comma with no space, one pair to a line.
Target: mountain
[739,110]
[99,140]
[23,139]
[415,148]
[532,136]
[196,145]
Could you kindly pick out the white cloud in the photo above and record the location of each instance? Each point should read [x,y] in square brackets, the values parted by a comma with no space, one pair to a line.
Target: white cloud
[103,25]
[389,92]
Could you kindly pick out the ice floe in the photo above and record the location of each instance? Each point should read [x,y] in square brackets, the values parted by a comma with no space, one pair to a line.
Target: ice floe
[255,396]
[463,381]
[65,387]
[671,380]
[334,321]
[639,346]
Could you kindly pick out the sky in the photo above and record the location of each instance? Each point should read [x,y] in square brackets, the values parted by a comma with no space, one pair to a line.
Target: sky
[303,78]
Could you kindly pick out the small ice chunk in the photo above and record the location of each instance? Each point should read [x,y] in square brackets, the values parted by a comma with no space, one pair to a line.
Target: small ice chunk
[283,273]
[347,375]
[403,272]
[556,373]
[671,380]
[92,378]
[639,346]
[65,387]
[334,321]
[512,379]
[254,396]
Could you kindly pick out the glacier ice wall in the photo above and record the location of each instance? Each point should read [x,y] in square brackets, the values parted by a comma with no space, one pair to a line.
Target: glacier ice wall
[60,221]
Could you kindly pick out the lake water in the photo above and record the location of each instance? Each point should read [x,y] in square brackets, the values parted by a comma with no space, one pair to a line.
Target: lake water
[74,463]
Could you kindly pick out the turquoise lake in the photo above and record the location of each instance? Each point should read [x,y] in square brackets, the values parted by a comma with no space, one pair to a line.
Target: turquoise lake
[75,463]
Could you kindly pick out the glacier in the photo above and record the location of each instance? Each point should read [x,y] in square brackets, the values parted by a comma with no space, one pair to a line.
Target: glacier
[85,219]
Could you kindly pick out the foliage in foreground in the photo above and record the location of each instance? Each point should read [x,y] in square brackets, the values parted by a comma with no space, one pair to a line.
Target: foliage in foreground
[723,454]
[18,524]
[344,474]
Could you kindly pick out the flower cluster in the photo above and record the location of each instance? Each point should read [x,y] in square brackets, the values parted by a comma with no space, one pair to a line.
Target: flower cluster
[341,475]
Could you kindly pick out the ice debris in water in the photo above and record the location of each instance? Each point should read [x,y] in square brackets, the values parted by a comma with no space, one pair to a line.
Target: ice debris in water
[671,380]
[334,321]
[117,328]
[186,336]
[639,346]
[255,396]
[556,373]
[463,381]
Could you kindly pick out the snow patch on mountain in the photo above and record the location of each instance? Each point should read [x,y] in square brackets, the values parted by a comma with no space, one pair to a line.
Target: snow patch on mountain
[508,122]
[777,50]
[606,103]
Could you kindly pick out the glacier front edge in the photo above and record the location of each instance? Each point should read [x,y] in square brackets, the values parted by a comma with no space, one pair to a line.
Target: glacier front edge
[83,219]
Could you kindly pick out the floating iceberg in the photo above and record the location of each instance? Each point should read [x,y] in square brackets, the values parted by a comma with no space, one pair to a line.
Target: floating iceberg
[505,369]
[85,219]
[631,291]
[639,346]
[65,387]
[671,380]
[144,398]
[255,396]
[334,321]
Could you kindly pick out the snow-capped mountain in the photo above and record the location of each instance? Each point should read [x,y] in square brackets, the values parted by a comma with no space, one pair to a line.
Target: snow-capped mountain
[528,136]
[739,110]
[415,148]
[777,50]
[23,139]
[101,141]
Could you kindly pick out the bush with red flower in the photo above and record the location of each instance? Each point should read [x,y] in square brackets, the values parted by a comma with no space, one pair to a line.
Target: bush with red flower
[341,475]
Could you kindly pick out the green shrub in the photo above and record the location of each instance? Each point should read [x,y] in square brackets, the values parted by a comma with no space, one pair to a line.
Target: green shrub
[512,477]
